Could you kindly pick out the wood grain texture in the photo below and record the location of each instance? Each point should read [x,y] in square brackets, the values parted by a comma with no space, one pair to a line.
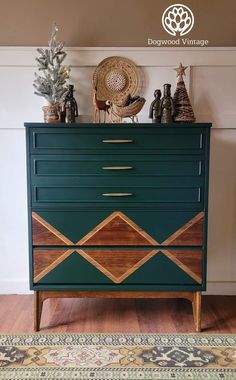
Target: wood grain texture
[190,261]
[98,315]
[47,260]
[41,296]
[45,234]
[38,306]
[117,229]
[117,264]
[117,294]
[190,234]
[196,305]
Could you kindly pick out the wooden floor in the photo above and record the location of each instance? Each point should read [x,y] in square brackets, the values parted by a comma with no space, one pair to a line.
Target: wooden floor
[117,315]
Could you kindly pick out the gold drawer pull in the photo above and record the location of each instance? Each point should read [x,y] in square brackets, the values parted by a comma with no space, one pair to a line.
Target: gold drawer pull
[117,141]
[117,194]
[117,167]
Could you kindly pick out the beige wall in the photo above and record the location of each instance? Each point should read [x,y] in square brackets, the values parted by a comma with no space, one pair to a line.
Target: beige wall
[110,22]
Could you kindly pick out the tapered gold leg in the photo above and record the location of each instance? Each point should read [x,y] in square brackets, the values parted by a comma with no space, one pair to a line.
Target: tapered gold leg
[38,304]
[196,304]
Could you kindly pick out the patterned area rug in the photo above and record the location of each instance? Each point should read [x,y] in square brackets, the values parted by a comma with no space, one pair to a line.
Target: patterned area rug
[118,357]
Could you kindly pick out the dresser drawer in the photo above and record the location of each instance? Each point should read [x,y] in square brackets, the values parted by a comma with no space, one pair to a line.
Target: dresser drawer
[181,195]
[130,266]
[128,166]
[126,227]
[116,140]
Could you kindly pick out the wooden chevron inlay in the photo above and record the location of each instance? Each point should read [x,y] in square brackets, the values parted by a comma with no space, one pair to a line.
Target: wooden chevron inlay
[45,234]
[47,260]
[117,264]
[190,261]
[189,234]
[117,229]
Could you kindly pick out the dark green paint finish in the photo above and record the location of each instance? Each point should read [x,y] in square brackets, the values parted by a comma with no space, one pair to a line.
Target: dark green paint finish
[104,181]
[60,206]
[75,270]
[76,194]
[150,140]
[161,224]
[55,166]
[120,287]
[74,140]
[161,143]
[27,138]
[107,126]
[75,224]
[207,163]
[159,270]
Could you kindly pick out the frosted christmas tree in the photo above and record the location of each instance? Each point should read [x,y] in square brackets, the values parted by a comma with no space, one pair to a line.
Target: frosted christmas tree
[52,83]
[183,109]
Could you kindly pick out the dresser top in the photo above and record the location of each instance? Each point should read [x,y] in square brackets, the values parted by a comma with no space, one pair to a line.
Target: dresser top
[114,125]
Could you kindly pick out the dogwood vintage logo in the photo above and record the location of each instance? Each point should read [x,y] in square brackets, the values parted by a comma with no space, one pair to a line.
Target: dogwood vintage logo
[178,18]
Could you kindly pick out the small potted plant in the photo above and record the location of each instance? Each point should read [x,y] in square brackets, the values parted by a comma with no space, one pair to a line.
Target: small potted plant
[52,81]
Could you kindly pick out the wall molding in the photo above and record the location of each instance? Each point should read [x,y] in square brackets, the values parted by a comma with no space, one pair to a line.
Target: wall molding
[143,56]
[17,66]
[221,288]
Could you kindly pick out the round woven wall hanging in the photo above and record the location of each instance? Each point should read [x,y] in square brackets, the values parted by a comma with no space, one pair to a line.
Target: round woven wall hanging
[115,78]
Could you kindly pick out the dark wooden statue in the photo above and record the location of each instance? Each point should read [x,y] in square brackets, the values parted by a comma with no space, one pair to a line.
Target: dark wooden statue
[70,108]
[167,105]
[155,108]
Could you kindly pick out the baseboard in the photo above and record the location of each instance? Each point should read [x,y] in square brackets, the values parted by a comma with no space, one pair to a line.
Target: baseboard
[22,287]
[221,288]
[14,287]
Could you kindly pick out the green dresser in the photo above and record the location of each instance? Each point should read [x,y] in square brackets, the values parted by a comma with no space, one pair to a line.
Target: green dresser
[118,211]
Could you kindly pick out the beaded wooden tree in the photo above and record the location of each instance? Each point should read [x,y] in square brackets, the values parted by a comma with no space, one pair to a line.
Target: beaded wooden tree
[183,109]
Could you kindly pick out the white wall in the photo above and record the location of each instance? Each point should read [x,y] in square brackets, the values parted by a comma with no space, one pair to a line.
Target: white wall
[211,80]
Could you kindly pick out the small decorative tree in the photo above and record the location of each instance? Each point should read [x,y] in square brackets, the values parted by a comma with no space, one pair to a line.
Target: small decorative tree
[183,109]
[52,83]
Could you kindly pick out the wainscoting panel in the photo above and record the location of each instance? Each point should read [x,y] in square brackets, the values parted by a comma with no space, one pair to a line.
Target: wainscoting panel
[211,81]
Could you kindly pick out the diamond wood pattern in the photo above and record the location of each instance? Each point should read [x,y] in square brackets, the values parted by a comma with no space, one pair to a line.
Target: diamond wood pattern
[117,264]
[190,261]
[46,260]
[117,229]
[190,234]
[45,234]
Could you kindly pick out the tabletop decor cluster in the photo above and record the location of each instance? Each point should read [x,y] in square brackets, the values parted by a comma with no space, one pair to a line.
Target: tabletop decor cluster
[176,109]
[117,84]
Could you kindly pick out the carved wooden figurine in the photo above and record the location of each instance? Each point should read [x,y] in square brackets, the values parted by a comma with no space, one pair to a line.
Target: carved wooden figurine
[167,105]
[155,108]
[70,106]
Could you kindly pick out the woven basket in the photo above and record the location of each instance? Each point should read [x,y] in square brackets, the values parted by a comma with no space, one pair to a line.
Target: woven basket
[130,110]
[117,77]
